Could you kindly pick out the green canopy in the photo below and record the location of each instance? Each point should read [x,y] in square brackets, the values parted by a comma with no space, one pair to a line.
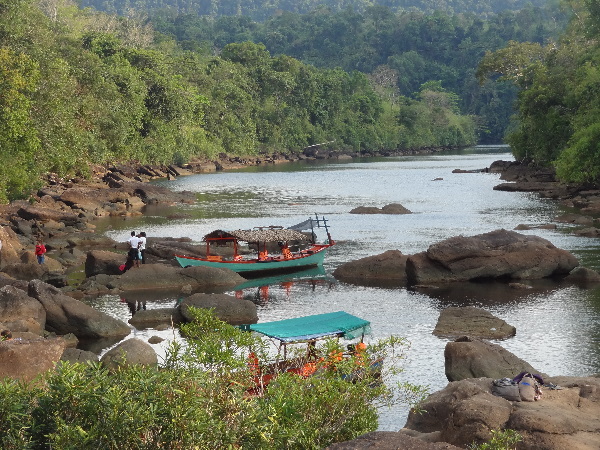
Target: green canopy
[306,328]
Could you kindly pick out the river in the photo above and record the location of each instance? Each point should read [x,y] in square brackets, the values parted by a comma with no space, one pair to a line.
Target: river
[557,326]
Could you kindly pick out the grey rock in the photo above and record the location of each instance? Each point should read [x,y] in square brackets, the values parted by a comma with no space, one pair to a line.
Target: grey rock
[226,307]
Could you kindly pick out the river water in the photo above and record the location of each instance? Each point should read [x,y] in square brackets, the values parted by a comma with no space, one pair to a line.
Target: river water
[557,325]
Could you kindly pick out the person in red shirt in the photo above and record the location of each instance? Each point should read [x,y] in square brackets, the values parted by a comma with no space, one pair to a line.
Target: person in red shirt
[40,250]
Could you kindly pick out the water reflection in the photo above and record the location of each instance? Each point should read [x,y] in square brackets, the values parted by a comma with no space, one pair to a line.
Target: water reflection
[266,289]
[487,294]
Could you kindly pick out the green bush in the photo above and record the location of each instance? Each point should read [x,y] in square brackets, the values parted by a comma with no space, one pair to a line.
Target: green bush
[198,398]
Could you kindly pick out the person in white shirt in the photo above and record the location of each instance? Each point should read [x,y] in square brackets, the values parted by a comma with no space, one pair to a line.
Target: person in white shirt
[142,246]
[134,252]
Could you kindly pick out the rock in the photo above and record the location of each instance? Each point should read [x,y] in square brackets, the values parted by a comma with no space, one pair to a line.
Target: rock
[155,340]
[547,226]
[150,318]
[152,193]
[26,359]
[472,358]
[75,355]
[390,440]
[20,312]
[99,261]
[129,353]
[591,232]
[162,276]
[47,214]
[465,412]
[97,199]
[395,208]
[65,315]
[498,254]
[26,271]
[583,275]
[226,307]
[392,208]
[11,246]
[386,267]
[473,322]
[474,410]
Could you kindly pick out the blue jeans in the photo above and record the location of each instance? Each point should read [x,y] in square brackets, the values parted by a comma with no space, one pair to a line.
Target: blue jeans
[40,259]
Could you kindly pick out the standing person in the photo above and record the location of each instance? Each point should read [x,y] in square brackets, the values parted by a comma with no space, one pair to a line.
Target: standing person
[142,246]
[40,250]
[134,252]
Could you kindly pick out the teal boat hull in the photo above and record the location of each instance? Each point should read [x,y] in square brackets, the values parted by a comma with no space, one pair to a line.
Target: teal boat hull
[254,266]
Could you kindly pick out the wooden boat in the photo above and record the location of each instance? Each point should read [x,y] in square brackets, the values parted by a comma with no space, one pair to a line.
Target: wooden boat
[309,253]
[308,330]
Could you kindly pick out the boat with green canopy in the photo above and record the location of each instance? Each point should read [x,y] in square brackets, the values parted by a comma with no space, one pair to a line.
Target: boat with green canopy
[261,239]
[308,330]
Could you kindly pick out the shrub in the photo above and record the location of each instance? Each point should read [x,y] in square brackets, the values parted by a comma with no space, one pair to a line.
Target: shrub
[198,398]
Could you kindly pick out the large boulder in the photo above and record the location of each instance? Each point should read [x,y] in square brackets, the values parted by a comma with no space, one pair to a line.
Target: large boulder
[162,276]
[472,321]
[388,267]
[226,307]
[465,412]
[43,214]
[472,358]
[75,355]
[129,353]
[22,359]
[100,261]
[97,199]
[65,315]
[498,254]
[20,312]
[11,246]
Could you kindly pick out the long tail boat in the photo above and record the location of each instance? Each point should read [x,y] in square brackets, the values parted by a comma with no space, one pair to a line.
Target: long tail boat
[308,253]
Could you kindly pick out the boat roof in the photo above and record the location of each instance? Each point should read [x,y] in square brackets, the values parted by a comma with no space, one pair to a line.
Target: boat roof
[317,326]
[270,234]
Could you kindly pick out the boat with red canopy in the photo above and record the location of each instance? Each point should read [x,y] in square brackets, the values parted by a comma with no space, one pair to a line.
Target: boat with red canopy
[307,252]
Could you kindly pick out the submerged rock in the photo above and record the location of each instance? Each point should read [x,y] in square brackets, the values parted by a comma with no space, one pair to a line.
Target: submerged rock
[473,322]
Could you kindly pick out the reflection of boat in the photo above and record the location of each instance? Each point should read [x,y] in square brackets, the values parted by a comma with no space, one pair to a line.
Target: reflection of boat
[308,330]
[316,273]
[309,253]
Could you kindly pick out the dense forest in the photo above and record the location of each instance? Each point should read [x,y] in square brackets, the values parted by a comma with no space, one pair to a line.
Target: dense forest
[79,87]
[559,99]
[262,9]
[400,51]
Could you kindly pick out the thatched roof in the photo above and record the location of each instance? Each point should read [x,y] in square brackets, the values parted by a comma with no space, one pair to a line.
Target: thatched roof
[259,235]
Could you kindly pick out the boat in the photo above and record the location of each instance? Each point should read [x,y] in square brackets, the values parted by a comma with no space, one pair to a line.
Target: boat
[307,252]
[308,330]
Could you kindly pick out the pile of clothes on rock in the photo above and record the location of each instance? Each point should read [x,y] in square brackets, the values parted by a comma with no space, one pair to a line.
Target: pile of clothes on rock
[525,387]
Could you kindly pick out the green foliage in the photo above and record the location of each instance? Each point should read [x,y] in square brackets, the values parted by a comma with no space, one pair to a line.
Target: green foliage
[259,10]
[420,47]
[501,440]
[557,104]
[80,87]
[199,398]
